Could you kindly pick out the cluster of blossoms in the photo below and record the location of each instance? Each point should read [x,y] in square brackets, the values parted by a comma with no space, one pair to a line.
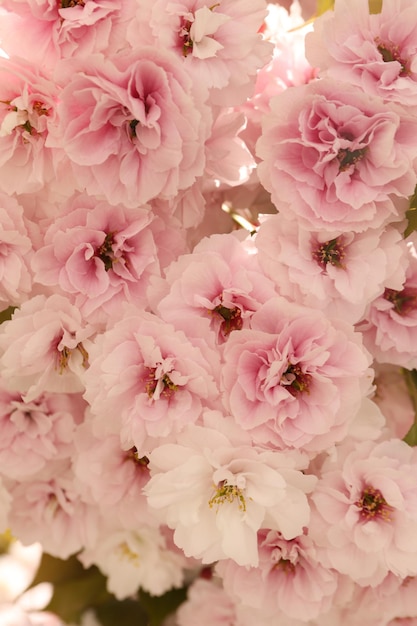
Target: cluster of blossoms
[181,401]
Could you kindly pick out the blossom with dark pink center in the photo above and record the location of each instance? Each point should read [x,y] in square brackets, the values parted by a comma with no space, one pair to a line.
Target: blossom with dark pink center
[288,579]
[365,514]
[133,127]
[373,51]
[342,271]
[390,324]
[295,379]
[338,159]
[147,381]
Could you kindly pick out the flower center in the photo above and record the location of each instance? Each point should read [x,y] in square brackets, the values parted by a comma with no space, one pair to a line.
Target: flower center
[132,128]
[67,4]
[127,554]
[227,493]
[159,384]
[231,318]
[372,504]
[65,354]
[391,52]
[196,32]
[133,455]
[105,251]
[403,301]
[331,251]
[295,380]
[286,566]
[348,157]
[187,42]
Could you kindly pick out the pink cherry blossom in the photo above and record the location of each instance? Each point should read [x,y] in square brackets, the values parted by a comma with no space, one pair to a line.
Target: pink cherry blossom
[147,381]
[376,52]
[207,604]
[112,478]
[218,44]
[45,31]
[288,66]
[136,558]
[100,256]
[41,431]
[48,508]
[340,271]
[337,158]
[390,325]
[44,347]
[215,290]
[288,579]
[27,110]
[15,253]
[295,379]
[365,516]
[216,496]
[134,127]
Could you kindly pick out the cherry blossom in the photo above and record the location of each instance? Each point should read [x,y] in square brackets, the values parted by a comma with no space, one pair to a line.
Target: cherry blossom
[337,159]
[342,271]
[216,496]
[219,44]
[288,579]
[376,52]
[365,512]
[147,381]
[389,326]
[27,111]
[137,114]
[99,256]
[44,347]
[295,379]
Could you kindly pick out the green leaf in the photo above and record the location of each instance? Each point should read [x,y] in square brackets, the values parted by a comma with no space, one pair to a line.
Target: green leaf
[126,613]
[411,382]
[159,607]
[76,589]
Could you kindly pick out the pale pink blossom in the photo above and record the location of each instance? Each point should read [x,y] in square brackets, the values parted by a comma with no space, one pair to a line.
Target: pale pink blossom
[375,52]
[146,381]
[39,431]
[295,378]
[341,272]
[288,66]
[390,325]
[112,478]
[136,558]
[44,347]
[215,290]
[15,253]
[27,110]
[133,126]
[207,604]
[288,579]
[45,31]
[336,158]
[49,509]
[99,255]
[216,495]
[219,45]
[365,514]
[228,159]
